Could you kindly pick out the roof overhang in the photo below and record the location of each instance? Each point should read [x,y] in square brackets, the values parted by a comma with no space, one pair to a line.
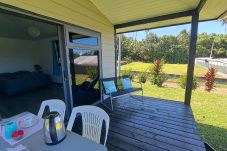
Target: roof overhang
[134,15]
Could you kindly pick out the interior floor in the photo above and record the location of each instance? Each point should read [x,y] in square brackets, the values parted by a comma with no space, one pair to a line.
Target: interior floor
[30,101]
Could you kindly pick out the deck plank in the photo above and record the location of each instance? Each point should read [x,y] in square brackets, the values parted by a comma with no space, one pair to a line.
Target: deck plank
[154,139]
[156,115]
[152,124]
[146,104]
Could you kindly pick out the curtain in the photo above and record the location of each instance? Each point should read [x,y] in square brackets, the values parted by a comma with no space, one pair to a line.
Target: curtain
[56,58]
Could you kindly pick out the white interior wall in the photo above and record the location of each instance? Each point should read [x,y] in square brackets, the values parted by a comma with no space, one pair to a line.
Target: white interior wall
[18,54]
[46,57]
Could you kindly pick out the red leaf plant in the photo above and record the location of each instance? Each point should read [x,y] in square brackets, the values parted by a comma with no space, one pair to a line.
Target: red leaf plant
[210,78]
[157,76]
[158,66]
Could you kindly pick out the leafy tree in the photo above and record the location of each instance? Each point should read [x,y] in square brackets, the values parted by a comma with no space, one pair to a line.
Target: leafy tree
[174,49]
[183,47]
[204,44]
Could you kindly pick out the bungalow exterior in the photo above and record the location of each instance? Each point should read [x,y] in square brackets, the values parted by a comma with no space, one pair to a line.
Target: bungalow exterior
[99,22]
[104,19]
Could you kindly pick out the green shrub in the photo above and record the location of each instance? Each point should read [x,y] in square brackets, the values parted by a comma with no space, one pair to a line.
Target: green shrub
[183,80]
[92,72]
[127,72]
[142,77]
[119,84]
[158,77]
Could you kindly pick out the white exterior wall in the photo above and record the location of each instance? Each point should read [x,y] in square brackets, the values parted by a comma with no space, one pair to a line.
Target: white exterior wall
[81,13]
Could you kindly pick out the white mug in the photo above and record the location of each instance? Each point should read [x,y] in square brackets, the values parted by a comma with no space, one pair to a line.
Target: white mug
[28,120]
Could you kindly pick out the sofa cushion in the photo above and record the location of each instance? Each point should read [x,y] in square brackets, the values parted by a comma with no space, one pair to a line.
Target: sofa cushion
[126,83]
[109,87]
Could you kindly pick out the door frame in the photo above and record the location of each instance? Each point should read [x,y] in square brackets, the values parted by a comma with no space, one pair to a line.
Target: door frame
[65,71]
[69,45]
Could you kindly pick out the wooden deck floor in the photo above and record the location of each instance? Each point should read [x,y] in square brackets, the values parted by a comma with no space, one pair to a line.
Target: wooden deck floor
[152,125]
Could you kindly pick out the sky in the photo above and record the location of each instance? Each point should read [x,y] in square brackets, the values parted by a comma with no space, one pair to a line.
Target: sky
[208,27]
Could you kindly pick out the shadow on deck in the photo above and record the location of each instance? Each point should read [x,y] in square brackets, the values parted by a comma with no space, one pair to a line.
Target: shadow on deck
[152,125]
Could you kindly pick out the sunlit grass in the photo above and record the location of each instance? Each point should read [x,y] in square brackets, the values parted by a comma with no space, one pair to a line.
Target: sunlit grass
[178,69]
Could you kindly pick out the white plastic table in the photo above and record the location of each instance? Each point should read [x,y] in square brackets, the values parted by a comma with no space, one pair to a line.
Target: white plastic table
[72,142]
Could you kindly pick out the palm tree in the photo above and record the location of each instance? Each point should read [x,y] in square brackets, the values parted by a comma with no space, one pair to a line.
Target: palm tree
[223,20]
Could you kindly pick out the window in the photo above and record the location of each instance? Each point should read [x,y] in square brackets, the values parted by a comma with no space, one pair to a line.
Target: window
[82,39]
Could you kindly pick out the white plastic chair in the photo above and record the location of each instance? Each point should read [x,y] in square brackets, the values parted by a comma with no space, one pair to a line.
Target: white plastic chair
[54,105]
[92,119]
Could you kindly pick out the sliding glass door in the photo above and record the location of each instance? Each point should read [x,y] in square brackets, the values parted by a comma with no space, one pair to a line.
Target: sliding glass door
[83,47]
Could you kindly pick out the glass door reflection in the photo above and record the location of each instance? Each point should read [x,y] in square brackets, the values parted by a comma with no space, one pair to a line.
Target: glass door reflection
[84,64]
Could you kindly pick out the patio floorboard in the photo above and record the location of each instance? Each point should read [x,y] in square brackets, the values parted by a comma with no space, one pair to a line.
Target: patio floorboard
[152,125]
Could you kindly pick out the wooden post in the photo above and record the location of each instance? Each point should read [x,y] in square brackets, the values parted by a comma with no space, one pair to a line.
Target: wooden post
[119,56]
[192,55]
[115,52]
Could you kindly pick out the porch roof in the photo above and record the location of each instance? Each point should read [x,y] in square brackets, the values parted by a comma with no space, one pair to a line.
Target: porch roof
[125,12]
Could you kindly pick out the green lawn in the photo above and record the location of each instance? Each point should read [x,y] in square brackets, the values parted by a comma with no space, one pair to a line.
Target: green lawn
[179,69]
[221,85]
[210,111]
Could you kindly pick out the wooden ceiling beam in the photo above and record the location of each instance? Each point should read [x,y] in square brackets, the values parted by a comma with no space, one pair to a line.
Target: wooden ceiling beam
[155,19]
[200,5]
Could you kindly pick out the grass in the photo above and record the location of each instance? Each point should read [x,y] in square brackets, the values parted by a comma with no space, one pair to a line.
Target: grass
[179,69]
[200,83]
[210,111]
[81,78]
[221,85]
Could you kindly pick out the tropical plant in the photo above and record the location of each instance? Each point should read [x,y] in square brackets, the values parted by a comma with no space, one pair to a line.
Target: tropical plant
[224,21]
[157,75]
[127,72]
[142,77]
[210,78]
[183,80]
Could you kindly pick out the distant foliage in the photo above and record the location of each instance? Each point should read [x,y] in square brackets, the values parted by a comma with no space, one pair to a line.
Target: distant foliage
[183,80]
[127,72]
[174,49]
[157,75]
[210,78]
[142,77]
[92,72]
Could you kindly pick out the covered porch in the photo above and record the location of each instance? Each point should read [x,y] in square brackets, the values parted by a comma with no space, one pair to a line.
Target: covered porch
[152,124]
[135,125]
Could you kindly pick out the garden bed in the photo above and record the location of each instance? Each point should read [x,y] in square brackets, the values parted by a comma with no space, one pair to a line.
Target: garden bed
[201,87]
